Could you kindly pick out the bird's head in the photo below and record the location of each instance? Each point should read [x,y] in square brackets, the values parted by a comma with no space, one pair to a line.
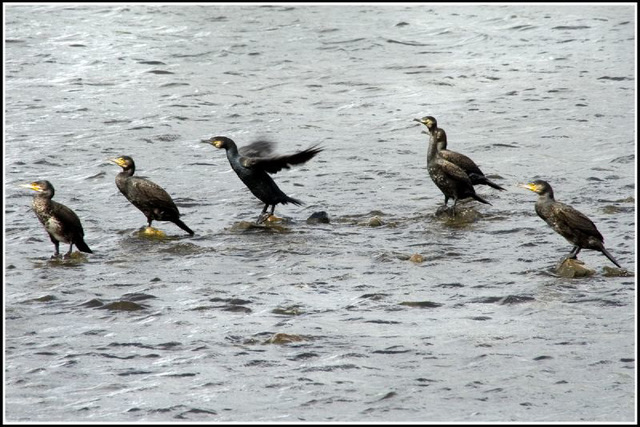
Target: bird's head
[125,162]
[220,142]
[429,121]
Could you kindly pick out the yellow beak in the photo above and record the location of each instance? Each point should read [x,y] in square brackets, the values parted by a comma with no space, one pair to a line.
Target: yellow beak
[529,186]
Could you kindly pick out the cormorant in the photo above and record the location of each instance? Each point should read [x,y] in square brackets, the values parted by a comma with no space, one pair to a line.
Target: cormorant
[449,177]
[469,166]
[154,202]
[567,221]
[253,164]
[62,224]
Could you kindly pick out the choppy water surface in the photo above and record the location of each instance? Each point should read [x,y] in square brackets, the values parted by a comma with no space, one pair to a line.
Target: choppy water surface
[320,322]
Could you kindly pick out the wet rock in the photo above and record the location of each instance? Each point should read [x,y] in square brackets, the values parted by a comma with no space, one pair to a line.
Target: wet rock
[318,218]
[574,268]
[375,221]
[151,233]
[271,219]
[462,217]
[281,338]
[416,258]
[293,310]
[45,298]
[616,272]
[92,303]
[271,226]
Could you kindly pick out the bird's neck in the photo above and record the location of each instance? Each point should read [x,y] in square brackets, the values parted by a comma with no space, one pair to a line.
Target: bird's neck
[433,149]
[127,172]
[42,201]
[232,151]
[546,197]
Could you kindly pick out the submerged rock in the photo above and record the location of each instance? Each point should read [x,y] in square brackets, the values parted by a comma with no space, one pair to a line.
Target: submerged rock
[318,218]
[463,216]
[281,338]
[421,304]
[574,268]
[616,272]
[375,221]
[266,226]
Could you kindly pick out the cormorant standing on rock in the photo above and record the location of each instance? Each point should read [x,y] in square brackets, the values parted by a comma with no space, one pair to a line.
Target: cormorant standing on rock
[62,224]
[154,202]
[253,164]
[449,177]
[567,221]
[469,166]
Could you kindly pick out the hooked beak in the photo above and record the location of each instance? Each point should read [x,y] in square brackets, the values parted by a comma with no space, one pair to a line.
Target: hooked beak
[31,186]
[530,187]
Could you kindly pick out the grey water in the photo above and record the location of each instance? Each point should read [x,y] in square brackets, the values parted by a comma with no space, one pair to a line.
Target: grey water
[327,322]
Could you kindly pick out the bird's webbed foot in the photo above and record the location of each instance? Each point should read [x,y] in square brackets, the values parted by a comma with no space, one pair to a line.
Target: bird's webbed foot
[263,217]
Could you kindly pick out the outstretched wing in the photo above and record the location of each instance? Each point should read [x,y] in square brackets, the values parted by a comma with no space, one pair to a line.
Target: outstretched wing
[260,148]
[274,164]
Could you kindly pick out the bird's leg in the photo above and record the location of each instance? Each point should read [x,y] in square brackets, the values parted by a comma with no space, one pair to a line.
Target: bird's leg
[263,215]
[574,252]
[453,208]
[68,254]
[57,252]
[572,255]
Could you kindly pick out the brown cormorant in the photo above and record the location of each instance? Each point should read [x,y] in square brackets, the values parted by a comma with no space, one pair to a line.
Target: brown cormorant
[253,164]
[448,177]
[567,221]
[469,166]
[154,202]
[62,224]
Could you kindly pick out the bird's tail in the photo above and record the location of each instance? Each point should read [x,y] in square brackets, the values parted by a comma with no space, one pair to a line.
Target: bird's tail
[292,200]
[483,180]
[182,225]
[608,255]
[82,246]
[480,199]
[493,184]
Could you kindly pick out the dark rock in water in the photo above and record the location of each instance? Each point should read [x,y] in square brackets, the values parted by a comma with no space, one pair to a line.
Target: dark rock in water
[421,304]
[123,306]
[318,218]
[574,268]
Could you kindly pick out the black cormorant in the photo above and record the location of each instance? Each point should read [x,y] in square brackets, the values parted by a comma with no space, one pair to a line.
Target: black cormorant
[154,202]
[567,221]
[469,166]
[62,224]
[253,164]
[449,177]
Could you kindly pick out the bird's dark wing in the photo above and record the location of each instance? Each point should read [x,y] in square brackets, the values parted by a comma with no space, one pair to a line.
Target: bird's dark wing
[66,215]
[274,164]
[147,192]
[454,171]
[575,219]
[260,148]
